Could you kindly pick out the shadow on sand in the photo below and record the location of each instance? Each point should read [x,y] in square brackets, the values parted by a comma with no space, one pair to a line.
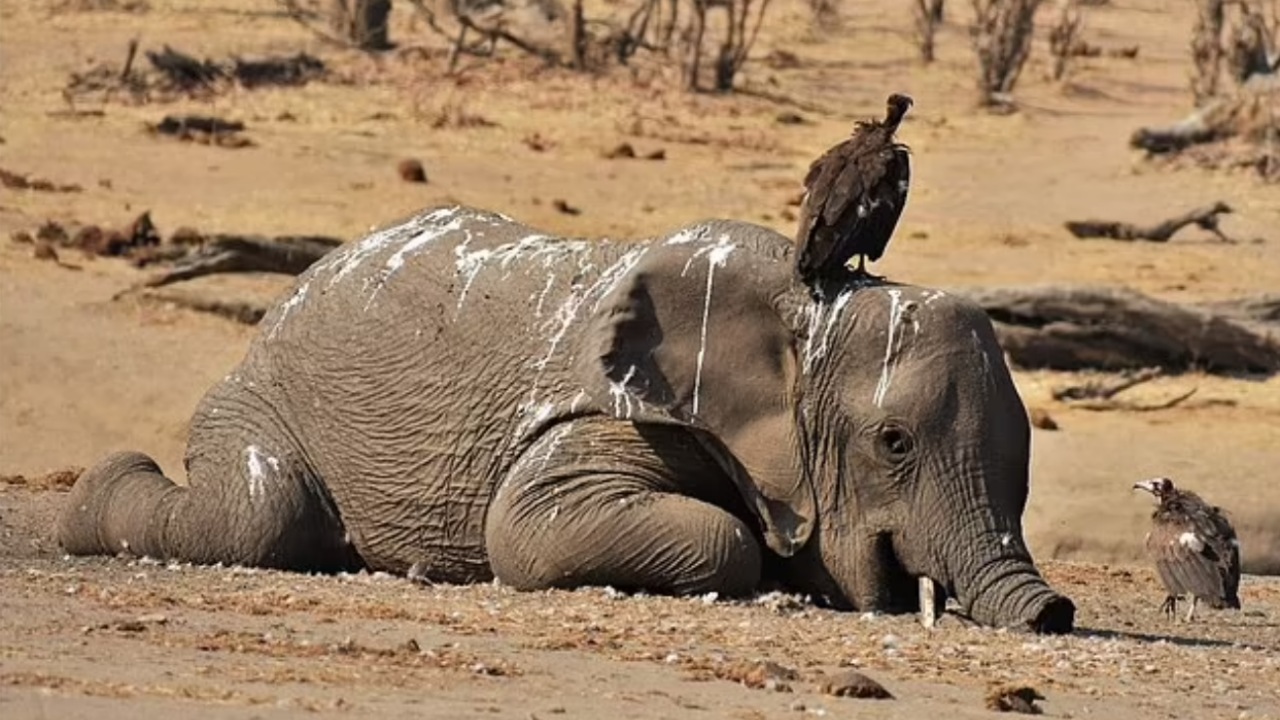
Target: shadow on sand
[1171,639]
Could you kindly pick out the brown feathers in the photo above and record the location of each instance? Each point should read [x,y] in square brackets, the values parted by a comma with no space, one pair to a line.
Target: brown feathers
[854,195]
[1194,547]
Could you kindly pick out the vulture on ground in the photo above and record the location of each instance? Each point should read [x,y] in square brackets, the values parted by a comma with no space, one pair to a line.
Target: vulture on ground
[1194,547]
[854,195]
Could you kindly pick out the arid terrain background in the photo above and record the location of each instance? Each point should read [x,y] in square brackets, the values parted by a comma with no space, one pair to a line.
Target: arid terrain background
[82,374]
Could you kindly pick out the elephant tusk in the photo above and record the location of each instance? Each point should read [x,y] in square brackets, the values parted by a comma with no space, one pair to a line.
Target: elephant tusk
[928,615]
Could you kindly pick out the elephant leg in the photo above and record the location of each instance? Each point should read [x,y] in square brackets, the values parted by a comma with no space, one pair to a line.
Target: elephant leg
[602,502]
[246,505]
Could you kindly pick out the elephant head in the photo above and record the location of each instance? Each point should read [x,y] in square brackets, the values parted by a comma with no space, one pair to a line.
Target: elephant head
[874,429]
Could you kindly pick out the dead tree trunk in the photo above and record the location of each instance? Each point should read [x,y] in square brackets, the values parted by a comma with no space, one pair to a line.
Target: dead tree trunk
[1077,328]
[1206,49]
[288,254]
[1001,34]
[927,16]
[361,22]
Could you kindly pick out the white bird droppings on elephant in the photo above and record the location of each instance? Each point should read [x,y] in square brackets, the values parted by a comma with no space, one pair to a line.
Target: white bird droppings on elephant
[349,258]
[622,397]
[542,296]
[823,317]
[551,251]
[552,440]
[259,465]
[901,314]
[717,256]
[689,235]
[298,297]
[532,413]
[981,349]
[558,325]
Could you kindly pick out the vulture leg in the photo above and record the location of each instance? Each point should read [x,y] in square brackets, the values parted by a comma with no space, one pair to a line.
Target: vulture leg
[1191,611]
[860,272]
[1170,605]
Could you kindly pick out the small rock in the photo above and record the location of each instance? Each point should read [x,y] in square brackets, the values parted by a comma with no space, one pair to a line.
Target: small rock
[659,154]
[769,675]
[564,207]
[22,236]
[624,151]
[411,171]
[851,683]
[790,118]
[537,143]
[44,251]
[1040,418]
[1014,698]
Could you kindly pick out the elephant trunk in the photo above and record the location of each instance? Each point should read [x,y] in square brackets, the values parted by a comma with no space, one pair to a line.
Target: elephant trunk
[987,568]
[1008,591]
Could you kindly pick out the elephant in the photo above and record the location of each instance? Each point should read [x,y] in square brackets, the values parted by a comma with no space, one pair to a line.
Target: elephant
[459,397]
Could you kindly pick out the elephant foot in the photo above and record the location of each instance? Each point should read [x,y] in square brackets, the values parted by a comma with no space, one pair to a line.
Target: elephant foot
[93,522]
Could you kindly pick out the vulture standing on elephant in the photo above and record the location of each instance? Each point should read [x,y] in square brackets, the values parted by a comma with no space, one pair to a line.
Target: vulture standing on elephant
[1194,547]
[854,195]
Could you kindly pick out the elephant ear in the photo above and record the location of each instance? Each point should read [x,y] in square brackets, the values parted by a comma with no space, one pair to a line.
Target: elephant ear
[691,336]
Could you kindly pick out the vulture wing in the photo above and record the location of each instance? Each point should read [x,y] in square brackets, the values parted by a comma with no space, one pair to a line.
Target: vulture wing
[1194,554]
[855,194]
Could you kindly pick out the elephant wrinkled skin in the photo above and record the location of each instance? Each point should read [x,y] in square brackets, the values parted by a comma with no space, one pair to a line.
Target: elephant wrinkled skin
[461,397]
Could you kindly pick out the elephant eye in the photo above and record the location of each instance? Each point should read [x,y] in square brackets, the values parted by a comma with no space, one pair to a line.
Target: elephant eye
[897,443]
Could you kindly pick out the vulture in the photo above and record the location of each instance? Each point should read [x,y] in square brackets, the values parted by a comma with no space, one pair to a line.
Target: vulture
[1194,547]
[854,194]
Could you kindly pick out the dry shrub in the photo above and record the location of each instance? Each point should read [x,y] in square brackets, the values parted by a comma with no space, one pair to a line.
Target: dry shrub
[363,23]
[1253,39]
[825,12]
[1243,33]
[743,19]
[1064,36]
[1001,34]
[1206,49]
[927,15]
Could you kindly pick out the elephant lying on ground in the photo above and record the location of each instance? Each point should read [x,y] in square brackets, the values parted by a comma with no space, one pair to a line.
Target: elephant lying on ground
[460,397]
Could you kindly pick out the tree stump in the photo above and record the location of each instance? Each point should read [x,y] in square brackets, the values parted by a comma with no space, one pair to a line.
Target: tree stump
[362,22]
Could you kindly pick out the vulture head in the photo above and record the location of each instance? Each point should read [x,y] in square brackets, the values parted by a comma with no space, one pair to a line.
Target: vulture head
[1160,487]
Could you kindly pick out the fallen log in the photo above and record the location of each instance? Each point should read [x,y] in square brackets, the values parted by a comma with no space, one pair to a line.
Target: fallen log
[1203,217]
[184,71]
[1251,116]
[1262,311]
[1100,393]
[1105,389]
[290,70]
[223,253]
[1082,327]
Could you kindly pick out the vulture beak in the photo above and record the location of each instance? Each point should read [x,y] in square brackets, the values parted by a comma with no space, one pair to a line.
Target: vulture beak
[1150,486]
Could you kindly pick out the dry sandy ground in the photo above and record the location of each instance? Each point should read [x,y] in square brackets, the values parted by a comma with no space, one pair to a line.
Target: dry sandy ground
[81,374]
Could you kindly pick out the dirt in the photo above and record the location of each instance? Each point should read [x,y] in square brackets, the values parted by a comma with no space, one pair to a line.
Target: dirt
[82,374]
